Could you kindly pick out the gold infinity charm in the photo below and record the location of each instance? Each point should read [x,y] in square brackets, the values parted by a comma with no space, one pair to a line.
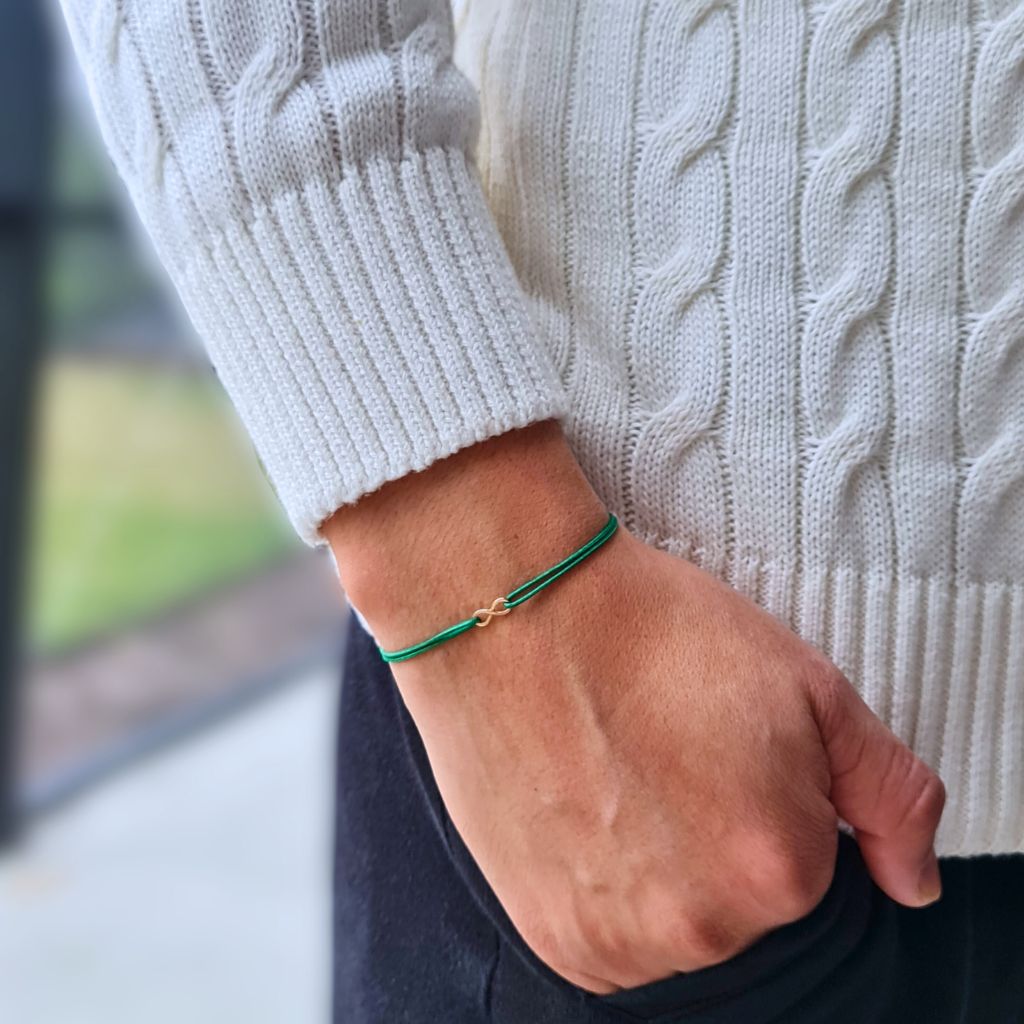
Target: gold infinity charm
[486,614]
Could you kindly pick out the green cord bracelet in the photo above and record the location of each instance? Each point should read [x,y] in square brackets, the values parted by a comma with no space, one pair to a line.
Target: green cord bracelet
[503,605]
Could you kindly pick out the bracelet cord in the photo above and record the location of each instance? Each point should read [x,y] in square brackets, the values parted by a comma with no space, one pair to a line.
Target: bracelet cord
[511,600]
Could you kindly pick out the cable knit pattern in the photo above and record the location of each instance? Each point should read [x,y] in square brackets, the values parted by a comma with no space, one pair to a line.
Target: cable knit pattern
[990,510]
[680,214]
[846,520]
[764,259]
[990,538]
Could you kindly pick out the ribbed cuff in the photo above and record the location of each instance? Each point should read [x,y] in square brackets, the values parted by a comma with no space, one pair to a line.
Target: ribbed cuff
[368,327]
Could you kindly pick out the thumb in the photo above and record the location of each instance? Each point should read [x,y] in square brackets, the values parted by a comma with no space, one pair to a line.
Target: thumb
[891,797]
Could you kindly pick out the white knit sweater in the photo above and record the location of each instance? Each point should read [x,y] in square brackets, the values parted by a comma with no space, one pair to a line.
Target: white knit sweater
[765,261]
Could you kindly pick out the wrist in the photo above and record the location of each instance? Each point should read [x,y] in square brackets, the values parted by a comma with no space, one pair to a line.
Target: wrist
[428,549]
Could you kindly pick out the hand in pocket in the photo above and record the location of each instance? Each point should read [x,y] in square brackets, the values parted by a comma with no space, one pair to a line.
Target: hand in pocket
[649,774]
[647,767]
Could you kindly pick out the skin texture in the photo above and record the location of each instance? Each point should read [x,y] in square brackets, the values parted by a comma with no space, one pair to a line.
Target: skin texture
[647,767]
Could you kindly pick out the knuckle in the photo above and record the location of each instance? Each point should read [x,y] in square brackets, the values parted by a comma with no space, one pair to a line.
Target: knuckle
[791,863]
[828,689]
[702,939]
[831,679]
[791,883]
[545,945]
[622,976]
[607,946]
[800,888]
[926,797]
[900,765]
[913,794]
[583,949]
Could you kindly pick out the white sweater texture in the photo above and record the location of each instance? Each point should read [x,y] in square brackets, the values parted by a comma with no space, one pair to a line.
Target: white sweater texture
[764,260]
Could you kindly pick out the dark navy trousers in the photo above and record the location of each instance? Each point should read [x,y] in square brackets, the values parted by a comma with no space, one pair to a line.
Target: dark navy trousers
[419,937]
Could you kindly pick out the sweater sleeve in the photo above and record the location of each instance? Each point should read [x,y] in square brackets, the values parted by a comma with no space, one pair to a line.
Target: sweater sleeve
[304,169]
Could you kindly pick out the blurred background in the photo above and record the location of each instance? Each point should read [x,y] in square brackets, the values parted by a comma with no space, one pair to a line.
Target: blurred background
[168,650]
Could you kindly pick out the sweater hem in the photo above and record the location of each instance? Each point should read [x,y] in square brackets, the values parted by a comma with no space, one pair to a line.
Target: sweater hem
[940,660]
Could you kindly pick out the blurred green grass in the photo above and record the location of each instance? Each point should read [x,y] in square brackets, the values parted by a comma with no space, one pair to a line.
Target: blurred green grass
[146,493]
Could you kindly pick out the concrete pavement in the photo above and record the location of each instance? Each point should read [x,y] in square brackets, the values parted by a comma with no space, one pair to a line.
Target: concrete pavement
[191,889]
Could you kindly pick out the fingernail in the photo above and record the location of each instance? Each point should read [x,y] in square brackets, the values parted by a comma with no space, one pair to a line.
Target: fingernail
[929,885]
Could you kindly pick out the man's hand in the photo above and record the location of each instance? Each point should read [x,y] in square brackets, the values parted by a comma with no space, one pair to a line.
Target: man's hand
[645,765]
